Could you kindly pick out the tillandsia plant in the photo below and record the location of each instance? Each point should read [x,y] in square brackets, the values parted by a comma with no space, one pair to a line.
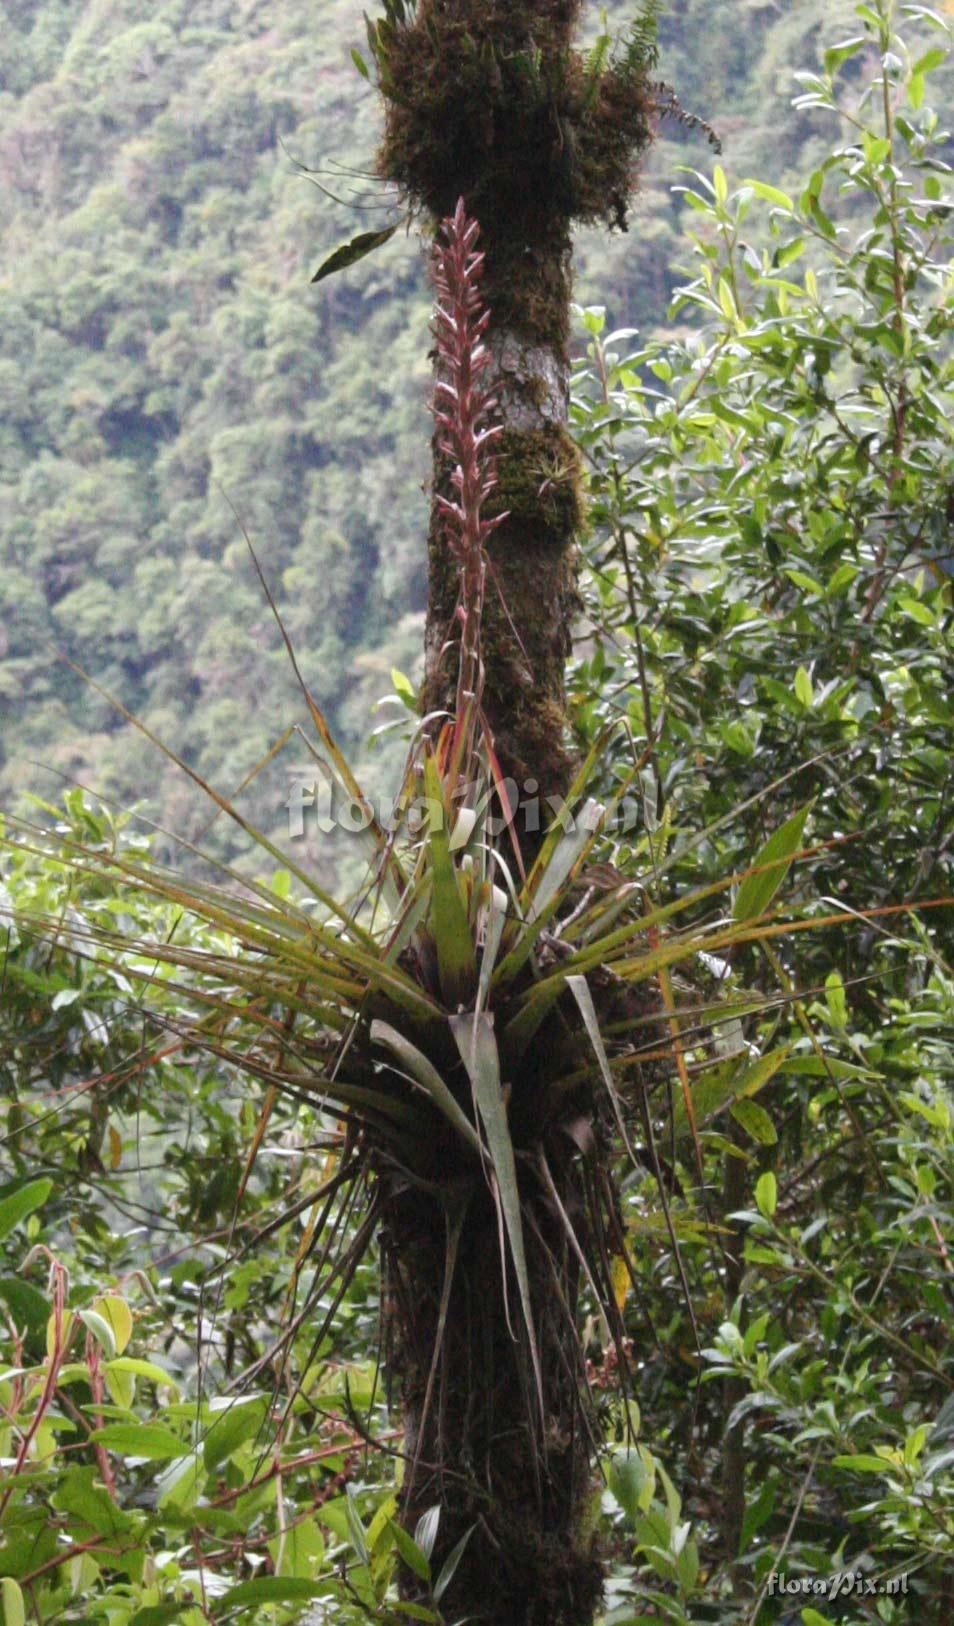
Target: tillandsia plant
[457,1036]
[484,1048]
[488,1038]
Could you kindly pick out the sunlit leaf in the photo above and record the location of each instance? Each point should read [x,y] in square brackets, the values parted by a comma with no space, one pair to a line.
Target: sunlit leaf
[149,1440]
[766,1195]
[452,932]
[118,1317]
[18,1204]
[755,1121]
[770,868]
[11,1602]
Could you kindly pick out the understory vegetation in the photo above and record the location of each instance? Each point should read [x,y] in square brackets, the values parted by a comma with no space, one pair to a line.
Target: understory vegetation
[215,1084]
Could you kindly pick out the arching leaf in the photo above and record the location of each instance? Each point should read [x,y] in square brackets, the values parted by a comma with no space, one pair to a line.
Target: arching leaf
[350,253]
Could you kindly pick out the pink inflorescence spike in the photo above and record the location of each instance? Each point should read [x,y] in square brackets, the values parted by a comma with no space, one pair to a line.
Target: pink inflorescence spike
[464,412]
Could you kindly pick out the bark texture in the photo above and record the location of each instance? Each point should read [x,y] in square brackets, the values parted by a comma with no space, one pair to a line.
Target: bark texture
[532,599]
[520,1484]
[487,100]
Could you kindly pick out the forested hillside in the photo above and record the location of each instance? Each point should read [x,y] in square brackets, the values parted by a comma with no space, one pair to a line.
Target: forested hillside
[169,375]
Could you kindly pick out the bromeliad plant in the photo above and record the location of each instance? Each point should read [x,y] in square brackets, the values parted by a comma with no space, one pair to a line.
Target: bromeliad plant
[485,1032]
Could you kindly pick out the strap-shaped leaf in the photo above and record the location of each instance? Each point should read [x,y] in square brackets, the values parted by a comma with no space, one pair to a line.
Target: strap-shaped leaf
[426,1075]
[568,850]
[456,964]
[580,989]
[350,253]
[540,998]
[770,868]
[450,1565]
[496,919]
[477,1044]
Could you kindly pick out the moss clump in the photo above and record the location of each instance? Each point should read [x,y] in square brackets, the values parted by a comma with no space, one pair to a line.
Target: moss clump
[532,743]
[540,484]
[487,99]
[472,108]
[612,137]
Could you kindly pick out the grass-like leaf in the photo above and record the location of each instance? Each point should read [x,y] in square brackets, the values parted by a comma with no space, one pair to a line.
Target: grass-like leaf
[477,1044]
[456,964]
[424,1073]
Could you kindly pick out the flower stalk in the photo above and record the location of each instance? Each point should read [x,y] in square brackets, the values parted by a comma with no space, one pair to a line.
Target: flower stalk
[464,413]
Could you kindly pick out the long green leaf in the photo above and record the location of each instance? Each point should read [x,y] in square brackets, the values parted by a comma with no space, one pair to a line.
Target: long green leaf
[496,920]
[222,802]
[770,868]
[239,919]
[556,832]
[270,1589]
[450,1565]
[350,253]
[382,854]
[426,1075]
[456,965]
[476,1041]
[525,1022]
[231,1428]
[580,989]
[150,1440]
[568,852]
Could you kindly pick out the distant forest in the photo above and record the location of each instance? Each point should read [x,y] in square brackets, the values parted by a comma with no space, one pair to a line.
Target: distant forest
[169,376]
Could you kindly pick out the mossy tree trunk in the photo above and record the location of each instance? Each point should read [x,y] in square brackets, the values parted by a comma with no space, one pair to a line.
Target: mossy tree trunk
[476,1447]
[532,597]
[489,101]
[525,234]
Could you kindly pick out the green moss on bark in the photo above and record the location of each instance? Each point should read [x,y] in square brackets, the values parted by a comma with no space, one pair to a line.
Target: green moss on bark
[489,101]
[540,484]
[531,600]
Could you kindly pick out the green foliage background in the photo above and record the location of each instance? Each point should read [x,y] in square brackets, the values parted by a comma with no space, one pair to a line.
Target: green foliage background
[163,358]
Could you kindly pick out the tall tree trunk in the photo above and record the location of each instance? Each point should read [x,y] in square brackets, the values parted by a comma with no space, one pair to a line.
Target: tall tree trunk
[487,100]
[475,1446]
[532,589]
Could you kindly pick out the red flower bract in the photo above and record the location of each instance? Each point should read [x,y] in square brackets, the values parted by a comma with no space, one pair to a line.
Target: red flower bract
[463,410]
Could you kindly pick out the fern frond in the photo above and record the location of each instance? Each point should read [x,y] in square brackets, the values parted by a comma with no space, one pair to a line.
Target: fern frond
[641,51]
